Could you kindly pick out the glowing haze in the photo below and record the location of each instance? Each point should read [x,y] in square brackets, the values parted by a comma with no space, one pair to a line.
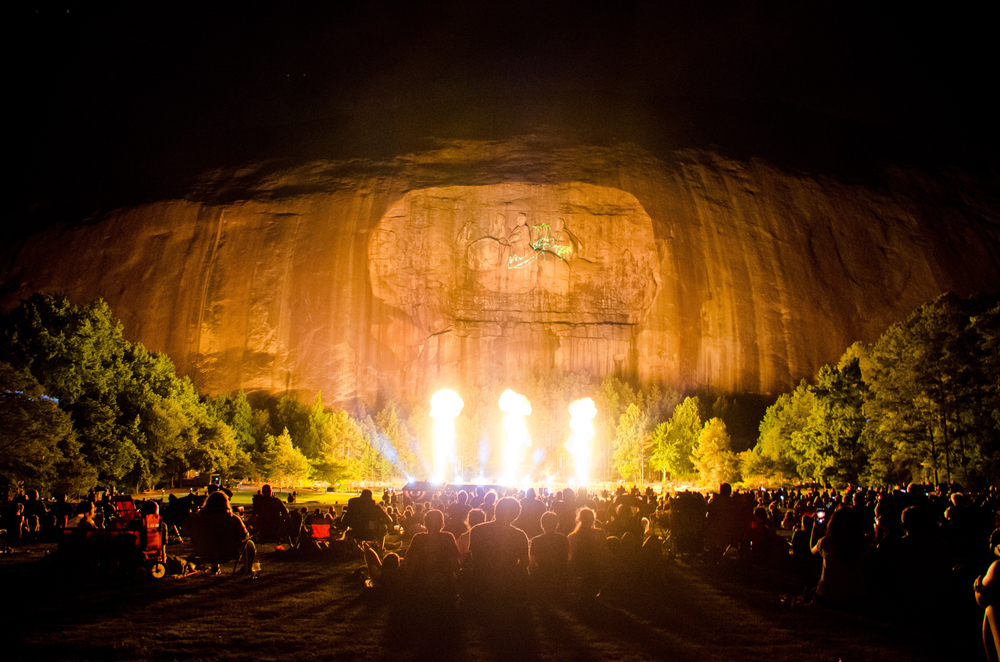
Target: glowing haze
[445,406]
[582,413]
[517,407]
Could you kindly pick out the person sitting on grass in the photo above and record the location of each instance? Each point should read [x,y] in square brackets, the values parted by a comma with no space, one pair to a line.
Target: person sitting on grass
[498,556]
[432,560]
[219,535]
[384,574]
[548,555]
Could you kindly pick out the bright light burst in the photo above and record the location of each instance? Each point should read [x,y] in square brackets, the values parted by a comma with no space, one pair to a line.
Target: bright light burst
[517,407]
[582,413]
[445,406]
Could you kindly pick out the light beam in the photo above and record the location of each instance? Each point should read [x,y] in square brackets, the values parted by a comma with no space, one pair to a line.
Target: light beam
[582,413]
[445,406]
[517,407]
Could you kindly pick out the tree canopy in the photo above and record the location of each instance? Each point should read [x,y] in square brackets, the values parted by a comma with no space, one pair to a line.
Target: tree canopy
[920,404]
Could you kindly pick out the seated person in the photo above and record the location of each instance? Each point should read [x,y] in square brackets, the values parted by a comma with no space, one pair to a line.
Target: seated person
[270,516]
[498,555]
[85,518]
[219,535]
[383,574]
[548,558]
[219,488]
[432,561]
[366,521]
[410,524]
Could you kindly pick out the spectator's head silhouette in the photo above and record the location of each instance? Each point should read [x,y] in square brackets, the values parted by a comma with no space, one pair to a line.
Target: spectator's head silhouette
[507,510]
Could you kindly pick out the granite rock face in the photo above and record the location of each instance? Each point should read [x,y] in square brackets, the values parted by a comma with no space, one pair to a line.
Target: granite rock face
[480,261]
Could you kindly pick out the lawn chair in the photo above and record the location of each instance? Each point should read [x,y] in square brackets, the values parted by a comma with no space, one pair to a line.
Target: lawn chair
[125,511]
[319,531]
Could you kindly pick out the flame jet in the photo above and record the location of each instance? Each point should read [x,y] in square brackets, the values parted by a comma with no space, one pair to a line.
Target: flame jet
[517,407]
[445,406]
[582,413]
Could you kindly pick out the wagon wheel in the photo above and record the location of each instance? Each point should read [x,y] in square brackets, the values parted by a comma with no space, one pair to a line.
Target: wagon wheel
[158,570]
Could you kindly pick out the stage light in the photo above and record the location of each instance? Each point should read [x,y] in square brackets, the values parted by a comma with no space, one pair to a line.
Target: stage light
[582,413]
[517,407]
[445,406]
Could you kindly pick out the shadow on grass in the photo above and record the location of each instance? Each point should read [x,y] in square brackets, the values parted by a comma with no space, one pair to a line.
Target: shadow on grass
[317,609]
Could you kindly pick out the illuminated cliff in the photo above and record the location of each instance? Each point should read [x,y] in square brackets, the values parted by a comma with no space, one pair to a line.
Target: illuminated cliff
[480,260]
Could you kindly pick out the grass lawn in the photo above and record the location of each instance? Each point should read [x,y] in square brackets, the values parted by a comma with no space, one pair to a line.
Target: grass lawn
[313,609]
[309,498]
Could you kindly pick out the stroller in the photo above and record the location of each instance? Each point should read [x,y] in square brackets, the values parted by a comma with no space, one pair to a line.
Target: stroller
[134,543]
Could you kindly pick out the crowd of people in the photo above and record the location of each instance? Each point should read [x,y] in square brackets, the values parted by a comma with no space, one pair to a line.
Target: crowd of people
[851,547]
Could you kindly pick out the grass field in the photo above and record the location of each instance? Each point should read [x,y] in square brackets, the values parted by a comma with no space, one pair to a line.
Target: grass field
[313,609]
[244,497]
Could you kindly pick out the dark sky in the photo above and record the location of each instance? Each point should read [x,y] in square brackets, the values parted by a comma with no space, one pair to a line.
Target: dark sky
[127,102]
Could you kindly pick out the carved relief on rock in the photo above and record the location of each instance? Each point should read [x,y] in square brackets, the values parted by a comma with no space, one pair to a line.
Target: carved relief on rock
[573,253]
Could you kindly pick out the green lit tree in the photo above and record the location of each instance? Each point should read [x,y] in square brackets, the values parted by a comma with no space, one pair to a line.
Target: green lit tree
[38,447]
[713,456]
[784,421]
[631,445]
[77,354]
[674,440]
[612,400]
[287,465]
[829,448]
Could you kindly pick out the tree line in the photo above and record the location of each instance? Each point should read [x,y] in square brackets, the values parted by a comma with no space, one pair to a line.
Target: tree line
[920,404]
[81,405]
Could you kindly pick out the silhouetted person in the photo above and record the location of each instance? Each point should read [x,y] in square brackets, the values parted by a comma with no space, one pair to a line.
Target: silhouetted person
[565,508]
[529,520]
[588,554]
[987,588]
[34,512]
[270,516]
[432,560]
[842,550]
[365,520]
[62,511]
[499,554]
[917,565]
[549,558]
[458,514]
[723,523]
[219,535]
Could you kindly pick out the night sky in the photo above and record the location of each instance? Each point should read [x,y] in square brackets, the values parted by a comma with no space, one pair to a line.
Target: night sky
[124,104]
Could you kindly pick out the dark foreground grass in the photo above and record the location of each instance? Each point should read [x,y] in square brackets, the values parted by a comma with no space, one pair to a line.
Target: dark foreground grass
[303,610]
